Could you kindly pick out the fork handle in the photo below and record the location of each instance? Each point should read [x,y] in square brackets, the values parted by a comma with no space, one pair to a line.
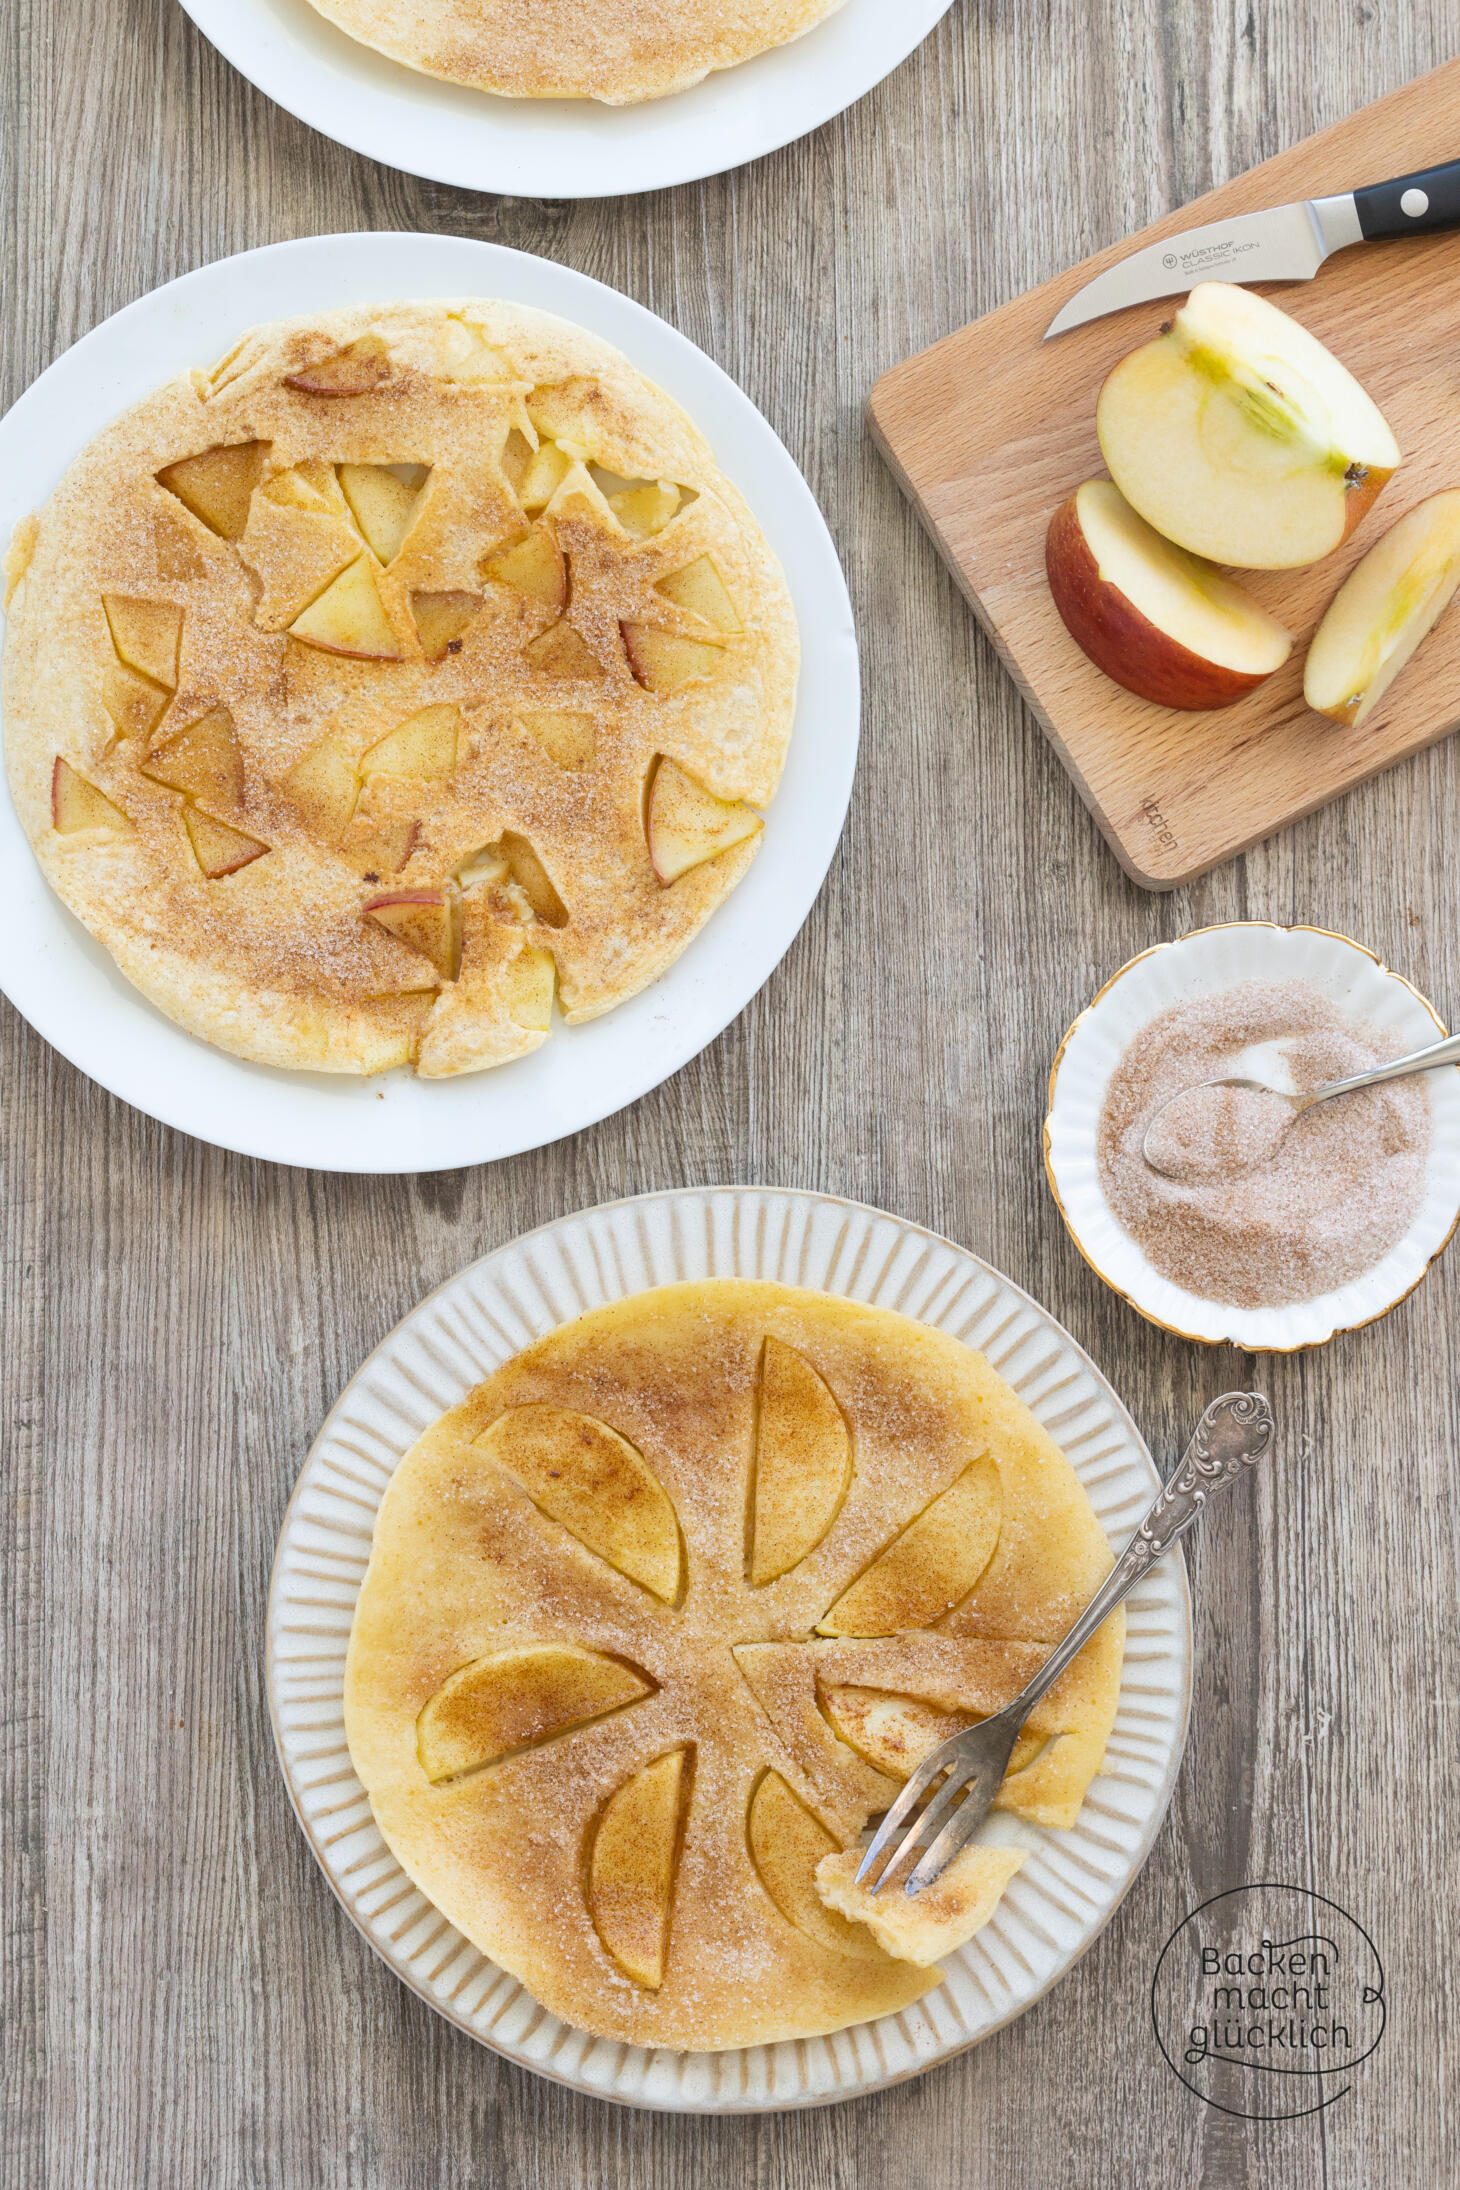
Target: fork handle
[1233,1435]
[1399,1068]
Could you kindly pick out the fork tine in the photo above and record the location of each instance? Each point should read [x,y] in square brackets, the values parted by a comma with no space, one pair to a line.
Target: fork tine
[922,1828]
[965,1821]
[910,1792]
[947,1757]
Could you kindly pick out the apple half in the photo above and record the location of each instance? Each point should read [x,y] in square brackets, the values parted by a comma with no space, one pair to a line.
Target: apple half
[1163,623]
[1240,437]
[1384,610]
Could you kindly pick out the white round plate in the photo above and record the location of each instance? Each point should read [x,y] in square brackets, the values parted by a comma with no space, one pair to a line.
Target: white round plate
[66,984]
[1072,1881]
[1203,964]
[559,148]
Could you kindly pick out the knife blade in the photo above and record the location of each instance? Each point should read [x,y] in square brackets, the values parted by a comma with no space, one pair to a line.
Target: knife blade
[1282,243]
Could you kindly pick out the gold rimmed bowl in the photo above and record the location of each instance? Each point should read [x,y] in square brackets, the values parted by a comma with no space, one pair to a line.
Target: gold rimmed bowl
[1203,963]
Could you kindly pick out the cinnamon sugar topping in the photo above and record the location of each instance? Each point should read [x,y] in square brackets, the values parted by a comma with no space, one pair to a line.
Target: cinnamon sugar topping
[1264,1208]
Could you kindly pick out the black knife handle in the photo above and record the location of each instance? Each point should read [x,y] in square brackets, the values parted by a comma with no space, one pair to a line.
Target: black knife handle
[1414,205]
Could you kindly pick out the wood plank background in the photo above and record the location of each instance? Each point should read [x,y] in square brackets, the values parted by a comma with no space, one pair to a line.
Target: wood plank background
[183,2003]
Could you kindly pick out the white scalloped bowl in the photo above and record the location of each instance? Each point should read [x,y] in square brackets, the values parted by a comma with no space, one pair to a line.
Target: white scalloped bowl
[1072,1881]
[1202,964]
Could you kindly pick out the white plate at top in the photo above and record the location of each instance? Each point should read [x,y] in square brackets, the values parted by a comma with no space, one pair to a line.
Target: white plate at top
[66,984]
[1071,1883]
[560,148]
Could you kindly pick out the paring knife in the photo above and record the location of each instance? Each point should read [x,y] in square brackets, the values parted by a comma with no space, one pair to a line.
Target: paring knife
[1286,243]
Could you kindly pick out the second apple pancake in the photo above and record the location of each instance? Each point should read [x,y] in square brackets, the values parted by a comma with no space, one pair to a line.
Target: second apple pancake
[666,1609]
[410,672]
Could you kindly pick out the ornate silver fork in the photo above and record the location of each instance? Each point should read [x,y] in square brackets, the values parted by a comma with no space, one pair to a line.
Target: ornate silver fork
[949,1795]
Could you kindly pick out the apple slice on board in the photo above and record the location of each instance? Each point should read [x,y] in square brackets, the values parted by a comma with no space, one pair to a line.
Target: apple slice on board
[1238,436]
[1384,610]
[1163,623]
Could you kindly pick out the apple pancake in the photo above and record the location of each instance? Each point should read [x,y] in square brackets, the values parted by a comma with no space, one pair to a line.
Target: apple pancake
[668,1607]
[411,669]
[618,51]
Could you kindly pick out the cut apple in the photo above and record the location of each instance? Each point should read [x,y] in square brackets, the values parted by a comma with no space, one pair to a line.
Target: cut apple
[685,824]
[542,474]
[497,1706]
[532,878]
[631,1865]
[534,565]
[1384,610]
[145,636]
[77,804]
[895,1733]
[382,499]
[560,651]
[646,507]
[517,454]
[700,589]
[441,618]
[425,744]
[1240,437]
[801,1468]
[217,485]
[529,984]
[424,920]
[469,357]
[786,1844]
[135,704]
[931,1565]
[356,370]
[325,787]
[305,486]
[1158,620]
[349,618]
[664,661]
[202,759]
[218,848]
[582,1474]
[566,736]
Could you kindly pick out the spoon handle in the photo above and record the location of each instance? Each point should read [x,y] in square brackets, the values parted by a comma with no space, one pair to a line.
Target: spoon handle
[1233,1434]
[1418,1060]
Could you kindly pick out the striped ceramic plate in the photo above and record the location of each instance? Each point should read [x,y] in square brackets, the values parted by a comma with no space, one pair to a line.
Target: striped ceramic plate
[1071,1882]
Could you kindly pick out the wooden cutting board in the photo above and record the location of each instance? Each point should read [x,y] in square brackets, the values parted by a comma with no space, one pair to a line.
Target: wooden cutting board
[992,428]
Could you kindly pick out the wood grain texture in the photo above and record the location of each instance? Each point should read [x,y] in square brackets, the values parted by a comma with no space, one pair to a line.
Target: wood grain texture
[992,428]
[184,2004]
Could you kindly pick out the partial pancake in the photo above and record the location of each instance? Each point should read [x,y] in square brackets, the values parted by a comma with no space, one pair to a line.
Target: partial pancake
[409,676]
[619,51]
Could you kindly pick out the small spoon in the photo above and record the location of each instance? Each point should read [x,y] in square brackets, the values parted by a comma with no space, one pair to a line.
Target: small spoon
[1400,1068]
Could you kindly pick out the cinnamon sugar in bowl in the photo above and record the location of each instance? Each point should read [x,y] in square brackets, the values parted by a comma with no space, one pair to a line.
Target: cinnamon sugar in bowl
[1274,1258]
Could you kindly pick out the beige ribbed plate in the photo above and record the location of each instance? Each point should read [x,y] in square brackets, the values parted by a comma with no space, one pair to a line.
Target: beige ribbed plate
[1072,1881]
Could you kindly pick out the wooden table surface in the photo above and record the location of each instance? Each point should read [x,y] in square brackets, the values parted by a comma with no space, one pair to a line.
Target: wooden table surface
[183,2002]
